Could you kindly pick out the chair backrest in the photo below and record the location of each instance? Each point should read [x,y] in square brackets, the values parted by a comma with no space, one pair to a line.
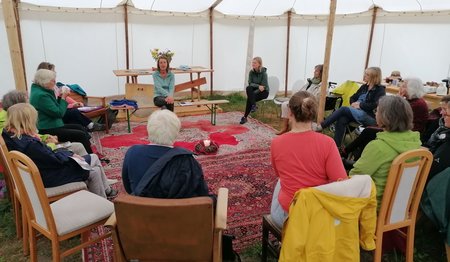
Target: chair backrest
[165,229]
[9,179]
[404,187]
[297,85]
[31,189]
[274,84]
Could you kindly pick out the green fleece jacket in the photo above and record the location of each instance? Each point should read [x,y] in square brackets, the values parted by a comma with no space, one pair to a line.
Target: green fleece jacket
[378,155]
[255,79]
[50,109]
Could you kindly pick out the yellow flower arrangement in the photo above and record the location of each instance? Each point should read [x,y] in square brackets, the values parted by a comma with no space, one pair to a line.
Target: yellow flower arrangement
[156,53]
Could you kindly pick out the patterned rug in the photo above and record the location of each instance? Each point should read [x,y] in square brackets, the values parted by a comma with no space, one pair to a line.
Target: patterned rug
[242,165]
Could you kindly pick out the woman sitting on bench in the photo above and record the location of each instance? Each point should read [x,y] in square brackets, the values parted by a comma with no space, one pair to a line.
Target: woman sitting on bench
[164,81]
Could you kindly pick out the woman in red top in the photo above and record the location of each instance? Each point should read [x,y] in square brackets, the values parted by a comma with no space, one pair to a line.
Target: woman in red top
[302,158]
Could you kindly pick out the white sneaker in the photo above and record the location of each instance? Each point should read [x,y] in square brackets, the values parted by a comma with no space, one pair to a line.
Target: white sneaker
[112,181]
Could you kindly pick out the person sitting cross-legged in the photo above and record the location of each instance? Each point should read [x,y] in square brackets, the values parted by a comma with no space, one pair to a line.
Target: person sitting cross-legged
[159,169]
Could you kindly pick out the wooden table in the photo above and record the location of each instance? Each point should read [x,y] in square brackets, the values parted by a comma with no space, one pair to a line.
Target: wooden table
[127,108]
[210,104]
[432,99]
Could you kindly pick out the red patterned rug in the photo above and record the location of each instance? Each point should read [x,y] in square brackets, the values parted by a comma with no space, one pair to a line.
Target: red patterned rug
[242,165]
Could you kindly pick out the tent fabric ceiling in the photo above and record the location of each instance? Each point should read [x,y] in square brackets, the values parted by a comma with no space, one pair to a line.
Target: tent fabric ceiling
[256,7]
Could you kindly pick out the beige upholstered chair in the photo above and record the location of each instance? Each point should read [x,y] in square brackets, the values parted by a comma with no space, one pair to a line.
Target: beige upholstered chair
[402,194]
[60,220]
[168,229]
[53,194]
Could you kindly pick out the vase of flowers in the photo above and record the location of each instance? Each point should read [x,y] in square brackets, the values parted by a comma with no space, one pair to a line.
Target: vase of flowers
[156,53]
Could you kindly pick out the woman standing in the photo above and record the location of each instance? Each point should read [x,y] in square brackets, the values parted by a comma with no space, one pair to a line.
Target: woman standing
[257,89]
[361,110]
[302,158]
[164,81]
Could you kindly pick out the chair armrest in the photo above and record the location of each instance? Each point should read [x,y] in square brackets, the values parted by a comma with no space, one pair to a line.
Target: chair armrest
[102,99]
[221,209]
[111,222]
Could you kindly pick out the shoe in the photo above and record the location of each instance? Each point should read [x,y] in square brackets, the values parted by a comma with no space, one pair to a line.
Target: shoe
[112,194]
[97,127]
[243,120]
[315,127]
[253,109]
[111,181]
[105,160]
[281,132]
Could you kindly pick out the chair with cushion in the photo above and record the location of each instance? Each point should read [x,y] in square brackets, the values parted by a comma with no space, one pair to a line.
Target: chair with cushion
[401,197]
[295,87]
[62,219]
[274,84]
[168,229]
[53,194]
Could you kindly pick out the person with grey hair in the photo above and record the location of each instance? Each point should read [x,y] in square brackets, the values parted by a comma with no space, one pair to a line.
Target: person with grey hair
[14,97]
[51,110]
[412,90]
[159,169]
[395,116]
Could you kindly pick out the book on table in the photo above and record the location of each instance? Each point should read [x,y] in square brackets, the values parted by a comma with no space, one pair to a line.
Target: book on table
[185,103]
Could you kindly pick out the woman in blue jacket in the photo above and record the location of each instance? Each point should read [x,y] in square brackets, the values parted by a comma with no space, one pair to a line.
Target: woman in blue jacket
[362,106]
[164,81]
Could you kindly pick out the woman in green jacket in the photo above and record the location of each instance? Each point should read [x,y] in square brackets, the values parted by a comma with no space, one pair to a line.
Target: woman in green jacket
[257,89]
[51,110]
[395,116]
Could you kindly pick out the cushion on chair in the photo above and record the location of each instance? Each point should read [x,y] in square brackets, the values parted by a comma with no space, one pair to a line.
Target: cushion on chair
[67,188]
[78,210]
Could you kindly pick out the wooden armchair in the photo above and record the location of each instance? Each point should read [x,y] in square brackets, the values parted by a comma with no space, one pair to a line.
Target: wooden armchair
[401,197]
[93,101]
[53,194]
[62,219]
[168,229]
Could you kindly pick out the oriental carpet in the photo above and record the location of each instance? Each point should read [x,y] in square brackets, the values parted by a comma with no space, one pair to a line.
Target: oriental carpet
[242,165]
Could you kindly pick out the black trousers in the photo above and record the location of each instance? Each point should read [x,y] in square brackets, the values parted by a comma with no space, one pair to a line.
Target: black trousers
[254,95]
[358,145]
[74,116]
[72,133]
[160,101]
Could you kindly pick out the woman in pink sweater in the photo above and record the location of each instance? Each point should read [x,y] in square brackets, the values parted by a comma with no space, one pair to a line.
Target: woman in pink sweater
[302,158]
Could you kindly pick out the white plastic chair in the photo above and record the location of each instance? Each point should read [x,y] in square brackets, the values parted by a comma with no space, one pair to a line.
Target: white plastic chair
[274,84]
[295,87]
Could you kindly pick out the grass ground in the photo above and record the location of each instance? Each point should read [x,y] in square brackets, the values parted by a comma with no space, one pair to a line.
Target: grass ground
[428,244]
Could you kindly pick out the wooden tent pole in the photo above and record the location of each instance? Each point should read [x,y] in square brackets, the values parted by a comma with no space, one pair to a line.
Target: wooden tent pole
[211,43]
[326,63]
[127,47]
[12,24]
[369,48]
[287,51]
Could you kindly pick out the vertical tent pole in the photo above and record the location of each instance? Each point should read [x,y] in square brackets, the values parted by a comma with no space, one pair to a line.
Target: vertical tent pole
[369,48]
[211,43]
[12,24]
[287,51]
[326,63]
[127,48]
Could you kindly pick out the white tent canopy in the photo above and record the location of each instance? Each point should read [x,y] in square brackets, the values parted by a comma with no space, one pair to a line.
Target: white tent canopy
[86,39]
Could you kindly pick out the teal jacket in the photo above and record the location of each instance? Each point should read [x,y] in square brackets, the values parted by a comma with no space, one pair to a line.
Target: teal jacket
[378,155]
[163,87]
[50,109]
[255,79]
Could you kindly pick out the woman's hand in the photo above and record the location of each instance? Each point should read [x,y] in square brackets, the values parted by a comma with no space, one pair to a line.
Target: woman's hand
[169,100]
[261,88]
[355,105]
[51,139]
[77,104]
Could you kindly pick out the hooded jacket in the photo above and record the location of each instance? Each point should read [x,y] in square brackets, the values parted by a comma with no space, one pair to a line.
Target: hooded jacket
[256,78]
[378,155]
[330,222]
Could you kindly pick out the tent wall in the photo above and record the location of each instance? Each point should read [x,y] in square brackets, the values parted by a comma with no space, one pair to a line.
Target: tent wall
[87,46]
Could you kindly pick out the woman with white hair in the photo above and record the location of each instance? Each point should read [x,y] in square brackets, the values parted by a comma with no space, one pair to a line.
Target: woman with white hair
[51,110]
[159,169]
[412,90]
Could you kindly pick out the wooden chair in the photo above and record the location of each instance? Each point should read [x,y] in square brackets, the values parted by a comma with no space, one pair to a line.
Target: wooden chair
[53,193]
[87,100]
[402,194]
[168,229]
[60,220]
